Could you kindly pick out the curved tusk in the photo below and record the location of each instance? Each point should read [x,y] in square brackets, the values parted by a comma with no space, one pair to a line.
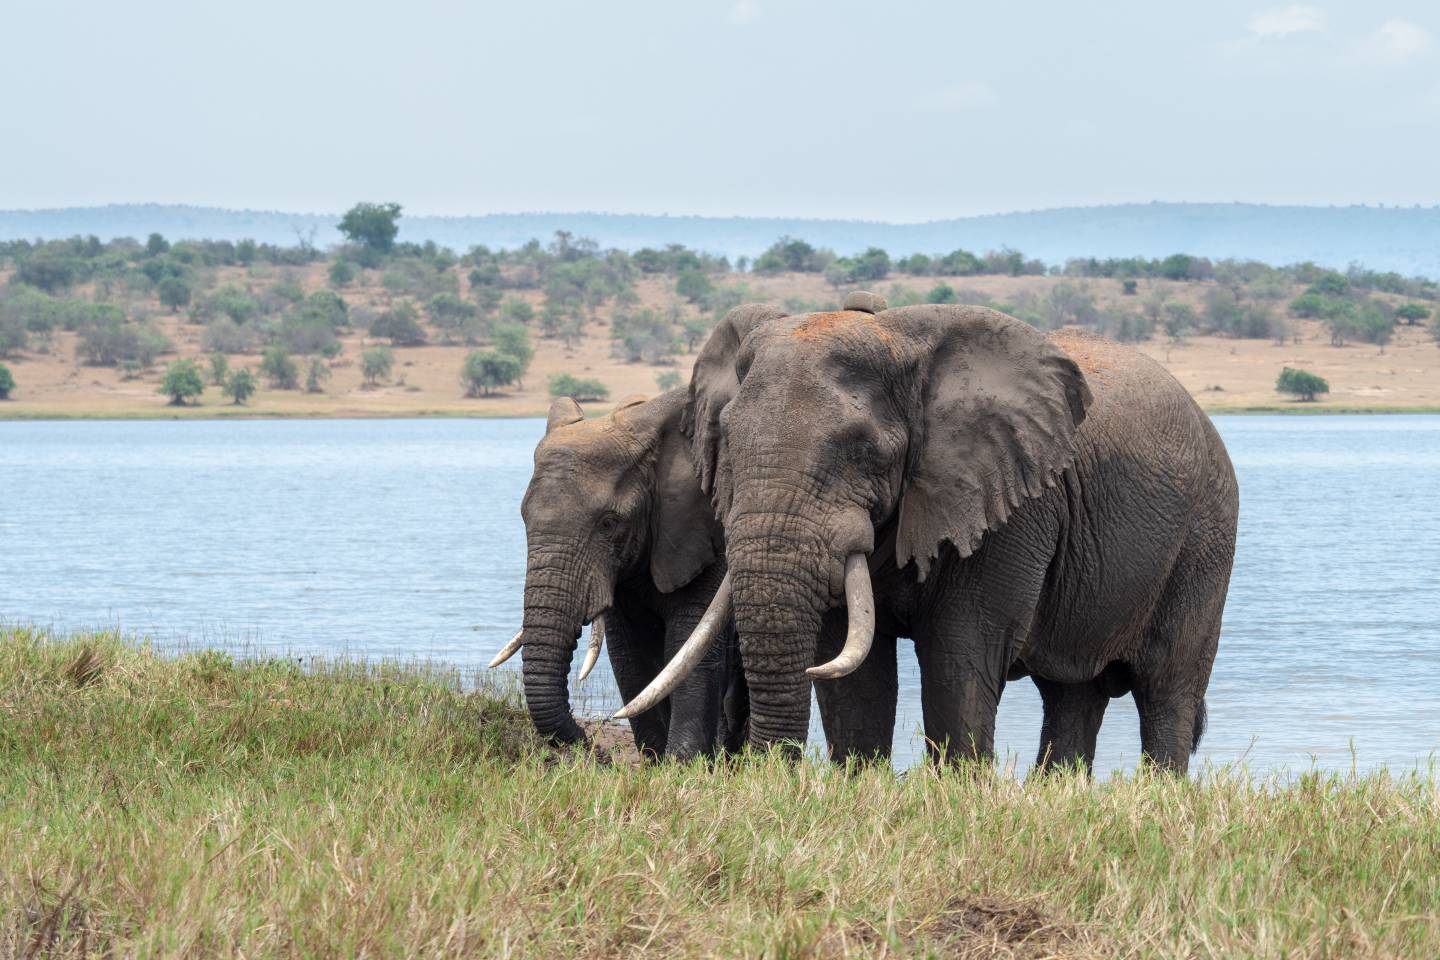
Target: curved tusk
[860,599]
[707,631]
[592,652]
[508,651]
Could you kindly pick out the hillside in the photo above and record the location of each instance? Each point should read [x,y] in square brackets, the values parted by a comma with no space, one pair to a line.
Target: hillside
[1406,240]
[1223,373]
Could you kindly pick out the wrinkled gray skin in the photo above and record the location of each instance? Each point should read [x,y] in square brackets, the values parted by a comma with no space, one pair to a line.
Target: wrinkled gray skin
[1056,506]
[616,523]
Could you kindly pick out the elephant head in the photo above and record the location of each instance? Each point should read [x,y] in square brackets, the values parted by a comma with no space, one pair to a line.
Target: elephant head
[610,498]
[819,436]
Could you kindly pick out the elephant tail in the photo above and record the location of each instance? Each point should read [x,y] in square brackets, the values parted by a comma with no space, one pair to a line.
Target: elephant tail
[1200,718]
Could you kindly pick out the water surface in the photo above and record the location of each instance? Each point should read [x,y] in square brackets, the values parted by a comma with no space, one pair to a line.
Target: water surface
[402,538]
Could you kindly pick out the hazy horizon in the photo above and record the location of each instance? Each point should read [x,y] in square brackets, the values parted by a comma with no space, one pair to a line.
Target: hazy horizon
[759,108]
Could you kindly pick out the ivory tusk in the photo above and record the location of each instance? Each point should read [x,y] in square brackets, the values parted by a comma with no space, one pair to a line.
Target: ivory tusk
[860,599]
[508,651]
[707,631]
[592,652]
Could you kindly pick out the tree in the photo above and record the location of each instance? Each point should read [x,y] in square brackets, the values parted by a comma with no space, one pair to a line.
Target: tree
[581,389]
[375,365]
[1303,384]
[693,285]
[240,386]
[513,340]
[1411,312]
[401,324]
[278,367]
[7,382]
[941,293]
[667,380]
[317,375]
[517,311]
[156,244]
[182,381]
[1179,320]
[485,371]
[372,225]
[449,314]
[219,368]
[173,293]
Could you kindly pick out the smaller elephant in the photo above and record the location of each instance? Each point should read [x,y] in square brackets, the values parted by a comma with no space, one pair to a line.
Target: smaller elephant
[620,533]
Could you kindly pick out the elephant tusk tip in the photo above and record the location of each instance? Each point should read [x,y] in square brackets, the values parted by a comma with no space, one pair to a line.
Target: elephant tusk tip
[622,714]
[827,671]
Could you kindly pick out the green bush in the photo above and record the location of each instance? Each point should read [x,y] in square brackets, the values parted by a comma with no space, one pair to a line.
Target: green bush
[373,226]
[693,285]
[306,334]
[645,335]
[516,311]
[513,340]
[1308,305]
[326,306]
[450,314]
[1411,312]
[240,386]
[485,371]
[182,381]
[342,274]
[219,368]
[115,343]
[280,369]
[375,365]
[1302,384]
[317,375]
[223,335]
[7,382]
[578,388]
[941,293]
[401,324]
[173,292]
[667,380]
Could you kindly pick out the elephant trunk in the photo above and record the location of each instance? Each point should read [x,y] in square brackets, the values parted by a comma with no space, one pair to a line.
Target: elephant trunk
[557,605]
[781,572]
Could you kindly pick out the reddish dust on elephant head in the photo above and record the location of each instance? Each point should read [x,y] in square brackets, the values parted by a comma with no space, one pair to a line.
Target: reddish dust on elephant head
[839,323]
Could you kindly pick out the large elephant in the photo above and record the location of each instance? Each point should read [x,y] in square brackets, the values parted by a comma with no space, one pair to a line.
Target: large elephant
[1015,503]
[618,528]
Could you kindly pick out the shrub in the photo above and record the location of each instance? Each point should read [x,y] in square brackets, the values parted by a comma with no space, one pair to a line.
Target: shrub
[156,244]
[182,381]
[231,302]
[1302,384]
[224,335]
[693,285]
[375,365]
[644,335]
[449,314]
[401,324]
[7,382]
[577,388]
[1308,305]
[485,371]
[513,341]
[1373,323]
[667,380]
[516,311]
[307,333]
[219,367]
[1411,312]
[326,306]
[240,386]
[342,274]
[1179,319]
[51,272]
[280,369]
[372,225]
[173,292]
[120,342]
[316,376]
[1129,288]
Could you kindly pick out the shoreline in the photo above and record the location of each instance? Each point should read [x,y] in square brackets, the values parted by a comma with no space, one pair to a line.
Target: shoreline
[208,413]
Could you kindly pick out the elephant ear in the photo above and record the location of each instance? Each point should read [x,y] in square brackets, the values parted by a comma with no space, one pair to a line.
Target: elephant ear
[684,537]
[713,384]
[1001,408]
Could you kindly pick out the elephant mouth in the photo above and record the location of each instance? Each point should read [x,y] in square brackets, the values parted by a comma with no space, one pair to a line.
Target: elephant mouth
[859,598]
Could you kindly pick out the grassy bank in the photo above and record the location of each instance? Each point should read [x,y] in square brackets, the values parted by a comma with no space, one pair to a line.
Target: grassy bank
[198,805]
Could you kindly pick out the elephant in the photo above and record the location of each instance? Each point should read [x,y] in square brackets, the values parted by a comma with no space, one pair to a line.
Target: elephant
[1016,503]
[619,533]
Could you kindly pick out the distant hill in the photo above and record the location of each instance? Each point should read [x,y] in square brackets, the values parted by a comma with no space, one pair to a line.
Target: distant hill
[1386,238]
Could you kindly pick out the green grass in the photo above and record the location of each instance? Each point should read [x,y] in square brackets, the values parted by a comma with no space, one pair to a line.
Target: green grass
[199,805]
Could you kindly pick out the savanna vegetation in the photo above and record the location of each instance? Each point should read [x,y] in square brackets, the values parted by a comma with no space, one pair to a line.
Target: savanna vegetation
[203,805]
[308,322]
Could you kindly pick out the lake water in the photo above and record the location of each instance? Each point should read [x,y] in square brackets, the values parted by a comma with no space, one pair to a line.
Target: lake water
[403,539]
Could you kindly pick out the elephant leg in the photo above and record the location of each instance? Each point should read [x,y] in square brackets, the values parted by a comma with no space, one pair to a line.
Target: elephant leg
[962,673]
[695,703]
[1073,712]
[636,650]
[1173,668]
[858,710]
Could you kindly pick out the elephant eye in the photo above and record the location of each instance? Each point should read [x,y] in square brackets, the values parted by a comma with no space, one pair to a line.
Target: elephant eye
[607,525]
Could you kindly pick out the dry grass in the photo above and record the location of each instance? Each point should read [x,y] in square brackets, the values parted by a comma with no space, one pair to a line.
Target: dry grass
[1405,376]
[204,806]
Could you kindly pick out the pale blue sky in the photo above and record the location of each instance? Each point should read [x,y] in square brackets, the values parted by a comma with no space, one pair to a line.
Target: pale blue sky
[895,111]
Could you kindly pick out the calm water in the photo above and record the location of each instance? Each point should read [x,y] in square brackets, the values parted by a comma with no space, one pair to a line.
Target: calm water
[403,538]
